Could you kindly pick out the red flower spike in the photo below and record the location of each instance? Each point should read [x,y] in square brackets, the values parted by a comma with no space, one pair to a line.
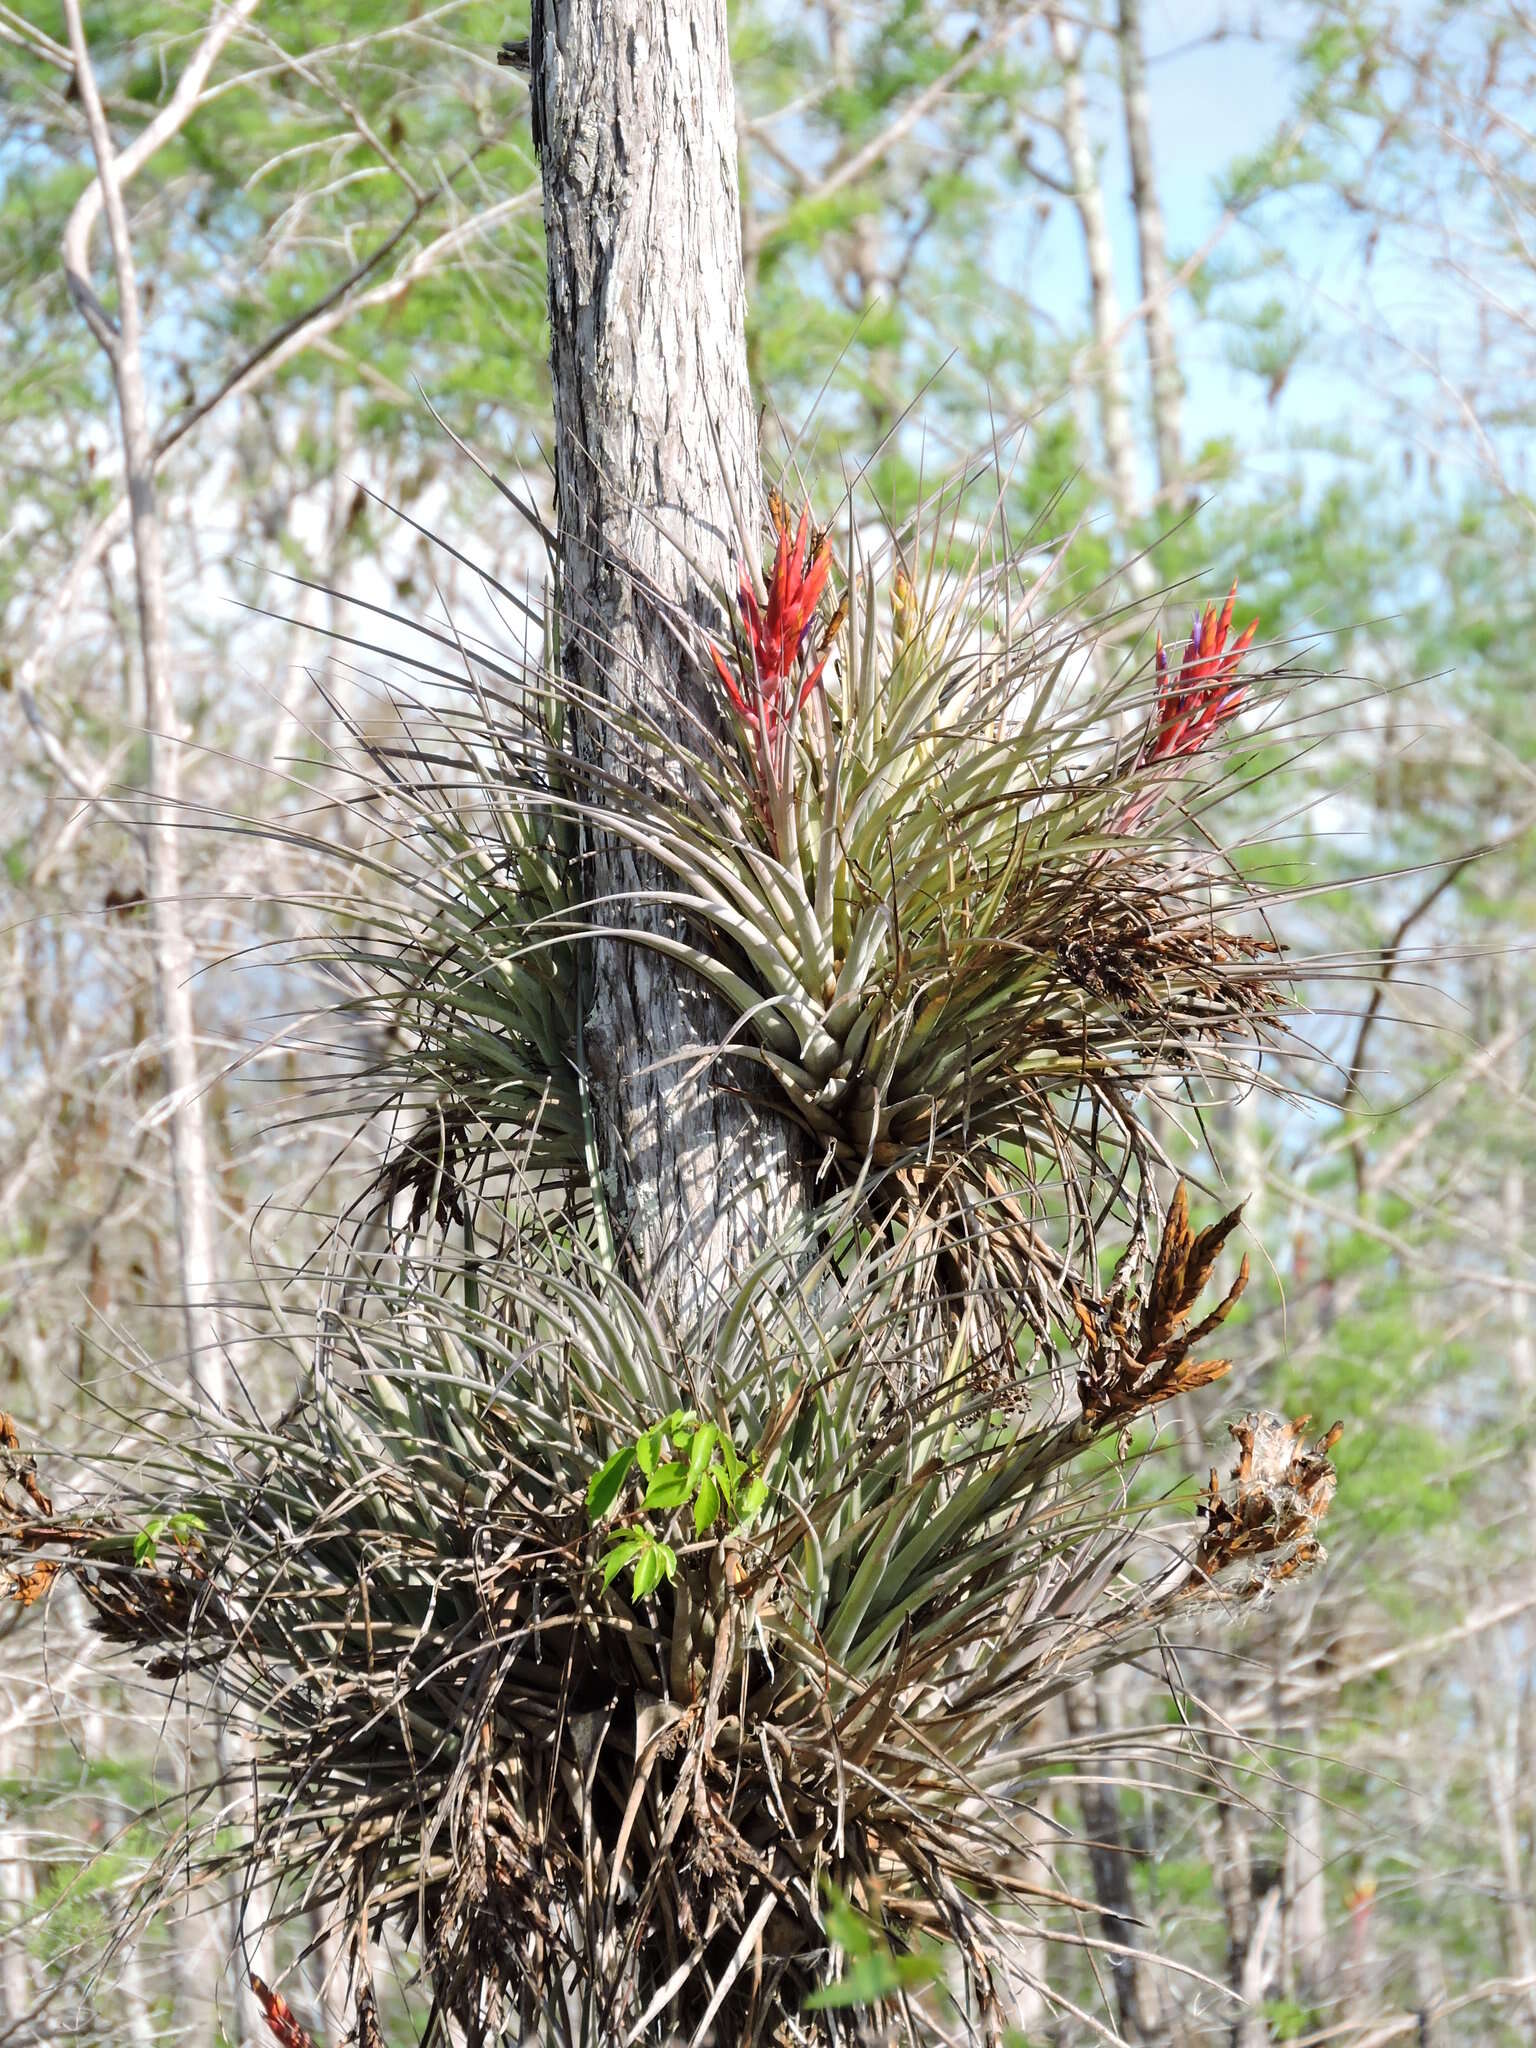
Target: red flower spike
[280,2019]
[773,634]
[1193,705]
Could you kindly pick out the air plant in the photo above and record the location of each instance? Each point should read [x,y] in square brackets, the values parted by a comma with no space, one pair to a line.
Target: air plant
[936,936]
[597,1655]
[915,882]
[916,885]
[614,1809]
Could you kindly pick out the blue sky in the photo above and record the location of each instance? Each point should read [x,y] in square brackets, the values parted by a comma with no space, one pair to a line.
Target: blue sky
[1213,102]
[1215,97]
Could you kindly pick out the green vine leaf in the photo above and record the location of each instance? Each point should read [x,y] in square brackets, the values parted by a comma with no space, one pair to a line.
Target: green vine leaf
[605,1483]
[706,1506]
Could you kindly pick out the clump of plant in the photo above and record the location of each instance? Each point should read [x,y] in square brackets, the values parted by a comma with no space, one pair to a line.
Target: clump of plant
[526,1687]
[637,1671]
[926,877]
[937,872]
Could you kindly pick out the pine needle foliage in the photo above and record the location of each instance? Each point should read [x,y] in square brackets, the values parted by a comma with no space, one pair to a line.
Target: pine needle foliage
[618,1664]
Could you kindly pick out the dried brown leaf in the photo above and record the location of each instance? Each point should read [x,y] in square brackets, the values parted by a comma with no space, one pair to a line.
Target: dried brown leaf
[28,1587]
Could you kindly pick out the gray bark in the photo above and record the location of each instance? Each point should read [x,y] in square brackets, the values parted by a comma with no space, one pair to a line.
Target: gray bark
[1152,255]
[634,115]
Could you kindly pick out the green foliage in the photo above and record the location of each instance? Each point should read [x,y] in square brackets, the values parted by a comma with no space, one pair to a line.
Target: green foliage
[1288,2021]
[872,1969]
[183,1528]
[79,1904]
[686,1464]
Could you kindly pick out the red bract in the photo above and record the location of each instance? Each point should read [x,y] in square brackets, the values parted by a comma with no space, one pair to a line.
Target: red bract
[773,634]
[1198,701]
[280,2016]
[1193,705]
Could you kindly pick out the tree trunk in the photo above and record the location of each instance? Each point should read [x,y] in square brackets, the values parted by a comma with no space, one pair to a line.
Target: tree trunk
[1137,1992]
[1309,1966]
[1152,255]
[194,1190]
[1116,426]
[1247,1922]
[634,117]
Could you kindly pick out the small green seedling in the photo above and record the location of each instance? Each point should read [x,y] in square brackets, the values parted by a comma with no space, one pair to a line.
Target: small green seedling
[873,1969]
[181,1528]
[686,1464]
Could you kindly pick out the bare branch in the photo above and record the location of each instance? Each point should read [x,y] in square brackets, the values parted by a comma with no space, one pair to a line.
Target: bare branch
[172,117]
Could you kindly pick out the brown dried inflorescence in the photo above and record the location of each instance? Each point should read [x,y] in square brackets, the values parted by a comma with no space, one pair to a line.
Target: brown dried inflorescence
[1280,1491]
[1136,1352]
[1151,960]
